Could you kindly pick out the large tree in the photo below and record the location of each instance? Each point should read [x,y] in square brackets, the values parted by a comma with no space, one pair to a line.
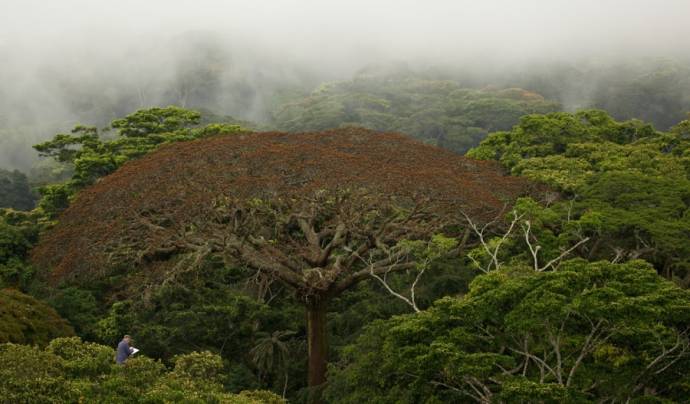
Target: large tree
[318,212]
[588,332]
[627,186]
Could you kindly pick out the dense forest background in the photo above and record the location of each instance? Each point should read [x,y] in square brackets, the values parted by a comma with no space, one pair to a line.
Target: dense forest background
[562,276]
[205,74]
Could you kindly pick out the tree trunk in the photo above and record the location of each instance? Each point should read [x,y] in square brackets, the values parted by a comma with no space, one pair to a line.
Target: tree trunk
[318,347]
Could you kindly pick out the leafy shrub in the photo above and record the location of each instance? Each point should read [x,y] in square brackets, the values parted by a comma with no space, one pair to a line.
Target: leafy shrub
[263,396]
[82,359]
[30,375]
[70,370]
[199,365]
[25,320]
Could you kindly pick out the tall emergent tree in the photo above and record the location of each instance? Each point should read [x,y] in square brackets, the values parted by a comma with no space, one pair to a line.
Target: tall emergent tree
[318,212]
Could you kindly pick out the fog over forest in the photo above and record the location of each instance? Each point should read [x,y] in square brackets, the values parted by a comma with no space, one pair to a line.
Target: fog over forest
[347,201]
[78,61]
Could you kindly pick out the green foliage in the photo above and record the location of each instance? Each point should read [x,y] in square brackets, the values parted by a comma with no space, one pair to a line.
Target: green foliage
[123,384]
[435,111]
[55,198]
[527,391]
[263,396]
[426,252]
[150,121]
[70,370]
[199,365]
[15,191]
[626,188]
[202,310]
[550,134]
[19,231]
[629,185]
[271,353]
[81,308]
[196,377]
[82,359]
[93,155]
[586,332]
[14,246]
[29,375]
[25,320]
[209,310]
[204,313]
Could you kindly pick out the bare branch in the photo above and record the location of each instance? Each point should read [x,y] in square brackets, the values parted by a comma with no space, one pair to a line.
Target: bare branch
[491,252]
[564,254]
[537,359]
[390,290]
[526,229]
[590,343]
[534,250]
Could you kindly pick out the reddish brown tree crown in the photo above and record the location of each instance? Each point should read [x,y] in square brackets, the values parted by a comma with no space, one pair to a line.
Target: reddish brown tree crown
[313,209]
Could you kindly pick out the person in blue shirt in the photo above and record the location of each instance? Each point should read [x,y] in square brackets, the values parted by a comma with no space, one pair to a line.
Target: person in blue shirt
[123,350]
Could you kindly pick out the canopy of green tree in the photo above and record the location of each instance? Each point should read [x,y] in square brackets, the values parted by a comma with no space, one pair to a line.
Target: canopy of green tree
[626,186]
[69,370]
[587,332]
[438,112]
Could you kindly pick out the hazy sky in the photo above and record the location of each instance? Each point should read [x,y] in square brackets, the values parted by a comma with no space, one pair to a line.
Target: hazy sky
[333,31]
[114,46]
